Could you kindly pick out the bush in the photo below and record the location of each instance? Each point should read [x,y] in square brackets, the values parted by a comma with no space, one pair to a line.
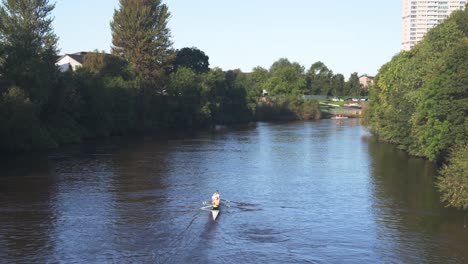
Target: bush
[288,108]
[453,182]
[20,128]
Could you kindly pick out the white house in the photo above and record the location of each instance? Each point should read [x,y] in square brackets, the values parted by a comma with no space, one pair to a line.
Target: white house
[70,61]
[366,81]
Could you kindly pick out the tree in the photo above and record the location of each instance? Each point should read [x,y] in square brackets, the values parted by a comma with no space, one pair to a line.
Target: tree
[352,86]
[319,79]
[419,101]
[256,82]
[440,119]
[192,58]
[95,108]
[213,94]
[28,48]
[184,82]
[286,78]
[338,84]
[235,108]
[140,36]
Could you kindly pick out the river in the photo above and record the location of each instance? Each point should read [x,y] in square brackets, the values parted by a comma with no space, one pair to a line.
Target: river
[300,192]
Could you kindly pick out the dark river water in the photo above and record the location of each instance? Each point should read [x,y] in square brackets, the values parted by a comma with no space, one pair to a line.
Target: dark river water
[302,192]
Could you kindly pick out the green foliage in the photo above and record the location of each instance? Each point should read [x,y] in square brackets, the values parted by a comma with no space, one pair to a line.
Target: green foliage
[225,97]
[365,114]
[338,85]
[62,111]
[106,65]
[185,88]
[352,86]
[235,108]
[286,78]
[27,73]
[319,79]
[288,108]
[192,58]
[115,85]
[440,118]
[245,82]
[390,108]
[20,128]
[95,108]
[28,47]
[453,182]
[257,80]
[420,102]
[140,36]
[213,91]
[123,94]
[185,82]
[138,88]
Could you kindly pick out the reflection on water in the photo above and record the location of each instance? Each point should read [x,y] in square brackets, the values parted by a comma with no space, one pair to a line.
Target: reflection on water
[302,192]
[409,210]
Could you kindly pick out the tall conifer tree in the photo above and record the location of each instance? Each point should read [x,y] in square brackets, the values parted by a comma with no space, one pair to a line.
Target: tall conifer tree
[28,47]
[140,36]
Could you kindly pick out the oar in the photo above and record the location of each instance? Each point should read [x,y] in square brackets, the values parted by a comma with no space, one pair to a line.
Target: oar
[227,204]
[205,207]
[238,203]
[229,201]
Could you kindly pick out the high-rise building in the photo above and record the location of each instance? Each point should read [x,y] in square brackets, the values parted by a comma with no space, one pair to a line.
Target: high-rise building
[419,16]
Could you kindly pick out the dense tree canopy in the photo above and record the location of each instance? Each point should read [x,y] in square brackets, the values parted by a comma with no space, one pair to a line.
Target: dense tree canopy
[338,85]
[420,99]
[28,47]
[286,78]
[192,58]
[27,73]
[352,86]
[319,79]
[143,86]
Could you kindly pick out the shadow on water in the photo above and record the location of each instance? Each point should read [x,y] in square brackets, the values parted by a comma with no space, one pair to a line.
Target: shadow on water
[202,247]
[408,209]
[211,228]
[26,191]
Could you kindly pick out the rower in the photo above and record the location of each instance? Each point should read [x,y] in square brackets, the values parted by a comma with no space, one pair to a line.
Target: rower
[215,200]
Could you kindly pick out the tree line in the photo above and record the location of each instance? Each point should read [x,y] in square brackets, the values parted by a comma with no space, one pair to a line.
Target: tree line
[419,102]
[144,85]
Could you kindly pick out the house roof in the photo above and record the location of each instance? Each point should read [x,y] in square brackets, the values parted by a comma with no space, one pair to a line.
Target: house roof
[365,75]
[78,56]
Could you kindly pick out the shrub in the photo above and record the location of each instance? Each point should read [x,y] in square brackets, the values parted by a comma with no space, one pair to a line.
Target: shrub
[453,180]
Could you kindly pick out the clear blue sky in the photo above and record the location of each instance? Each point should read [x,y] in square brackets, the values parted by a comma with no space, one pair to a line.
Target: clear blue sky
[348,36]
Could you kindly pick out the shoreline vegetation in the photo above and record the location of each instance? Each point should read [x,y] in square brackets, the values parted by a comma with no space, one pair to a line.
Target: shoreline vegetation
[420,103]
[145,86]
[133,90]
